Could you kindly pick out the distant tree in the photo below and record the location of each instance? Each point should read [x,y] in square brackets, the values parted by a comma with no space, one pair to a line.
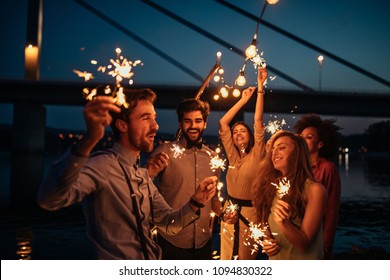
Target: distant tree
[379,136]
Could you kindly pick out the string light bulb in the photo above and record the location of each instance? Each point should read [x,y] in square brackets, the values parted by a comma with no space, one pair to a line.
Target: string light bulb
[241,81]
[224,92]
[272,2]
[236,92]
[251,51]
[320,59]
[219,54]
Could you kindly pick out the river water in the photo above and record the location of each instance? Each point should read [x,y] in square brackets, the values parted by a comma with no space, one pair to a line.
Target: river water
[363,231]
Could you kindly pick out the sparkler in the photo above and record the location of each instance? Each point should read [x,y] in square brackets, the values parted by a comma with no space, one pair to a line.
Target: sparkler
[256,233]
[231,208]
[86,75]
[89,94]
[282,187]
[274,126]
[177,152]
[217,163]
[120,69]
[259,61]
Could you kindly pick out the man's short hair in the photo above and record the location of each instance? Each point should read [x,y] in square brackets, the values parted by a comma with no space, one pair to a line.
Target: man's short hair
[189,105]
[133,96]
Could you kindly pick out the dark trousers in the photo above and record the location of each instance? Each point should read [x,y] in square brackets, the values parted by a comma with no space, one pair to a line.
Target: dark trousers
[171,252]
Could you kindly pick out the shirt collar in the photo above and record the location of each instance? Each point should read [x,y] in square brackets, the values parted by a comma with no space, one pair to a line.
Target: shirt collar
[126,156]
[184,143]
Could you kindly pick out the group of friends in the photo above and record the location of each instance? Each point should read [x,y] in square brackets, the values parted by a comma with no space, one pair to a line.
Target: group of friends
[162,210]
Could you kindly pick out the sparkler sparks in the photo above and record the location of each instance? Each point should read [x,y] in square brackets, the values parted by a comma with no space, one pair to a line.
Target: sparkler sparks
[256,235]
[282,187]
[89,94]
[217,163]
[86,75]
[231,208]
[120,69]
[274,126]
[177,152]
[259,61]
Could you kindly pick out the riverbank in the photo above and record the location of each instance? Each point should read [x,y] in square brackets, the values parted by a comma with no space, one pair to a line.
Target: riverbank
[363,233]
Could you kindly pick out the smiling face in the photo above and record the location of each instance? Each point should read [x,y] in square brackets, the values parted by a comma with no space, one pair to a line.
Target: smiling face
[282,149]
[142,127]
[240,136]
[193,126]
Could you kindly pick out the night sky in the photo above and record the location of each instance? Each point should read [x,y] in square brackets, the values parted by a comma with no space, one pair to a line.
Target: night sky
[355,30]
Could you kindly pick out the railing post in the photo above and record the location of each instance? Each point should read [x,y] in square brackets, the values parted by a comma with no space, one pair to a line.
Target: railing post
[29,121]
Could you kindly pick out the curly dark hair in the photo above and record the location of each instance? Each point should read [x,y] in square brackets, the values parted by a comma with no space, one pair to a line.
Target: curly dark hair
[192,104]
[327,132]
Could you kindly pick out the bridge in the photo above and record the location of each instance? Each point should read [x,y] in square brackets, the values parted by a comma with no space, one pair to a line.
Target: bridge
[339,103]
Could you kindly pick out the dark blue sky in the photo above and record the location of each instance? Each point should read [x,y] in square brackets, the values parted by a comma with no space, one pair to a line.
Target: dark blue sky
[355,30]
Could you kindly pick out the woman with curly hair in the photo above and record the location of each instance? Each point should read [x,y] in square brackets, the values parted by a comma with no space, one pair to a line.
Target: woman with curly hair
[293,217]
[321,137]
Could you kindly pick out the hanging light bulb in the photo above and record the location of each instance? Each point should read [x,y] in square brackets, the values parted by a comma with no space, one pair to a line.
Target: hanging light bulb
[216,97]
[217,78]
[271,2]
[240,81]
[251,51]
[236,92]
[221,71]
[224,92]
[219,54]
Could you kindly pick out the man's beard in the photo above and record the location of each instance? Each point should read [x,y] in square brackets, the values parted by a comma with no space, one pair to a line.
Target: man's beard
[189,140]
[146,146]
[142,144]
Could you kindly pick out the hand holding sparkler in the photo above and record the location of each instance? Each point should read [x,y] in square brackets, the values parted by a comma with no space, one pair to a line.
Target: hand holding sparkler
[262,75]
[97,117]
[270,247]
[204,192]
[157,163]
[229,217]
[281,211]
[230,213]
